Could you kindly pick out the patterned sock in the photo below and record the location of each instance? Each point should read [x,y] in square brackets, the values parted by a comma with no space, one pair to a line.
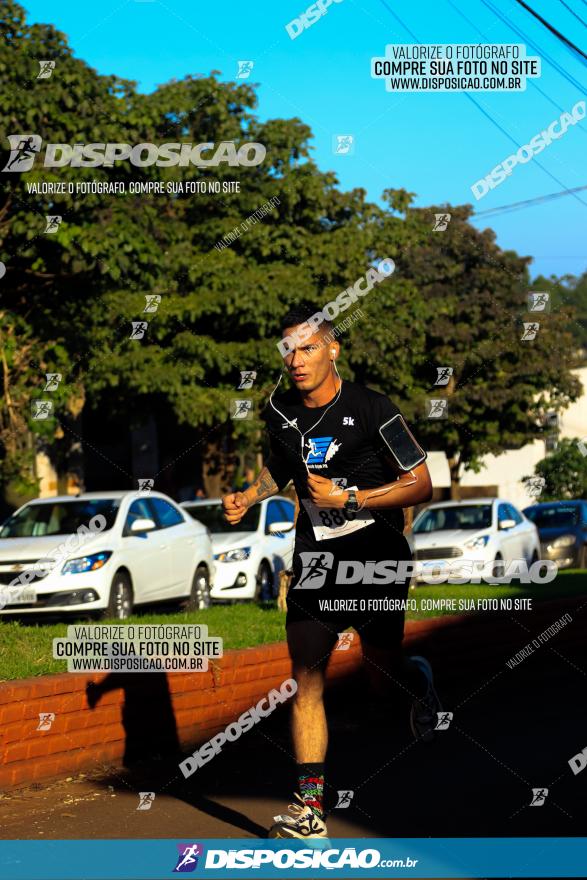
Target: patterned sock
[311,783]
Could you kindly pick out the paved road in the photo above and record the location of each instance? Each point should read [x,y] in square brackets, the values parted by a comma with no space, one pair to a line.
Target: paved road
[513,730]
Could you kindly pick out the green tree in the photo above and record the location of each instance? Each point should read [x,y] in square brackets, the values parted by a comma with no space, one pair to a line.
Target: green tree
[470,297]
[220,310]
[570,291]
[23,360]
[564,471]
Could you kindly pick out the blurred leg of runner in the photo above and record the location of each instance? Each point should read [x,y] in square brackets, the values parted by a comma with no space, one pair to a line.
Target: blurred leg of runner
[310,644]
[396,679]
[391,674]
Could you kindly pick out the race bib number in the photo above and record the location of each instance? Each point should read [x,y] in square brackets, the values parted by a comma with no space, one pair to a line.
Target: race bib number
[334,522]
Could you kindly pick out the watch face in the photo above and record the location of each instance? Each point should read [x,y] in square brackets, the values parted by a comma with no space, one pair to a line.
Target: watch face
[352,503]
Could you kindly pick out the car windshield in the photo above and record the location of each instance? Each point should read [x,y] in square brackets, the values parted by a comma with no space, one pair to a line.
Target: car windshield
[467,516]
[212,516]
[554,516]
[59,518]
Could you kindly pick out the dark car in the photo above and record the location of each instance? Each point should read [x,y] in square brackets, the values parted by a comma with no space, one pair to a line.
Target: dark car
[562,528]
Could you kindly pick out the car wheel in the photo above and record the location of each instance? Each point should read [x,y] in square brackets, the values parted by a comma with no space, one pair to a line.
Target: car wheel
[498,568]
[120,602]
[264,584]
[200,595]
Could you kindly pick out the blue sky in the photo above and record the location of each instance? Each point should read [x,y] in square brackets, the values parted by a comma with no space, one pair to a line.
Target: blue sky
[436,145]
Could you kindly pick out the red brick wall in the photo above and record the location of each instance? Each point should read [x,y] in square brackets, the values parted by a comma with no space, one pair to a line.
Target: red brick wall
[204,703]
[80,737]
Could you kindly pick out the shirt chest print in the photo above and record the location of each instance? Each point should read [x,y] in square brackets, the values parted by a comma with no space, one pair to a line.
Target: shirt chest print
[321,450]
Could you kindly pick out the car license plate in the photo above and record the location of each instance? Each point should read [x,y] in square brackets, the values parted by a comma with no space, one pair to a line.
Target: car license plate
[14,596]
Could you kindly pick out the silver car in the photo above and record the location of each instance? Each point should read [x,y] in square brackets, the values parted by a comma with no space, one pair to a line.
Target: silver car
[488,532]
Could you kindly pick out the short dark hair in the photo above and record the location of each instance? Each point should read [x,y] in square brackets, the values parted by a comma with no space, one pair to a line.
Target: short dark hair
[302,312]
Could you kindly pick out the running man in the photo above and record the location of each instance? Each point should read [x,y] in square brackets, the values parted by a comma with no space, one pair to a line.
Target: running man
[326,429]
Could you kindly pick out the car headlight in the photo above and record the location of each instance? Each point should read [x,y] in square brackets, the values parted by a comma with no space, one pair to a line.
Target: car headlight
[477,543]
[86,563]
[564,541]
[237,555]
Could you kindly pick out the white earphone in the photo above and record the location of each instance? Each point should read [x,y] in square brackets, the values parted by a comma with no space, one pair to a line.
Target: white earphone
[292,423]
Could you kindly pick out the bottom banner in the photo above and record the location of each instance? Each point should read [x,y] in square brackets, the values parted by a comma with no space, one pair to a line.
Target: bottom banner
[415,857]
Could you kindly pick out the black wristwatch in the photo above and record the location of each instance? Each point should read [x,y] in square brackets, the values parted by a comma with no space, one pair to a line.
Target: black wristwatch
[351,504]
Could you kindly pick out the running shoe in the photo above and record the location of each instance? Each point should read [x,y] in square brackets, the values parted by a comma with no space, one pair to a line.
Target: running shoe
[423,717]
[300,821]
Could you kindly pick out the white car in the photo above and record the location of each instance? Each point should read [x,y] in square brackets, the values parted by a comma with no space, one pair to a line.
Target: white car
[486,532]
[250,555]
[103,551]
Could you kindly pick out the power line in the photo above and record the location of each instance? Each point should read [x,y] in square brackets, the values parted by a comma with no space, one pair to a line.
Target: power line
[572,11]
[485,113]
[552,29]
[531,81]
[528,203]
[534,45]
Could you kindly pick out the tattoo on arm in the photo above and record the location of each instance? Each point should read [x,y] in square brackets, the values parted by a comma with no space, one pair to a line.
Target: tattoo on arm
[264,486]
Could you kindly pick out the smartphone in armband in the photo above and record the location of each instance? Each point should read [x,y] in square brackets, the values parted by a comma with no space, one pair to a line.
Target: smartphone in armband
[402,444]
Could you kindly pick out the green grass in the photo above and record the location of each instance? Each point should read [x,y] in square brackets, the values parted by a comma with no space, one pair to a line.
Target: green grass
[567,584]
[26,649]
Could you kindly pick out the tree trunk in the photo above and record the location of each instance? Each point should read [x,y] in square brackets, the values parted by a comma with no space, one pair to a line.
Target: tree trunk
[218,468]
[455,479]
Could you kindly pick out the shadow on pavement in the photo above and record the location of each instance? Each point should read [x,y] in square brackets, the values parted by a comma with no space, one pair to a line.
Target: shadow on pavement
[507,737]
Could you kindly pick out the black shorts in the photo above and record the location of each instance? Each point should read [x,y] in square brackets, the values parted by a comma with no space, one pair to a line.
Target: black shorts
[368,560]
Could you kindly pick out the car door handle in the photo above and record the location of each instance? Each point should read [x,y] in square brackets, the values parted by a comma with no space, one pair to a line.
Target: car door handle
[164,546]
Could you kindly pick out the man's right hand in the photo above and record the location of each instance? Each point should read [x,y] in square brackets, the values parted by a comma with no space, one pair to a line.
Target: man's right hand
[235,506]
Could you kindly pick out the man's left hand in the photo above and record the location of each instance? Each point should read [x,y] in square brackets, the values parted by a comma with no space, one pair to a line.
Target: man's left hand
[325,493]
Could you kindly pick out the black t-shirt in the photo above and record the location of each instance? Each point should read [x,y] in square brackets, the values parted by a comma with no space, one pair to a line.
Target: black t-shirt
[341,442]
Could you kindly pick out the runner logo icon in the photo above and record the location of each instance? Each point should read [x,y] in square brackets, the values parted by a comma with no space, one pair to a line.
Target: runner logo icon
[322,449]
[314,571]
[187,860]
[344,799]
[23,149]
[443,720]
[539,796]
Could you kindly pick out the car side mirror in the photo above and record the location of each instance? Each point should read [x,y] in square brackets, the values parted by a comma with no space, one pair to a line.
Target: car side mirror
[142,525]
[507,524]
[278,528]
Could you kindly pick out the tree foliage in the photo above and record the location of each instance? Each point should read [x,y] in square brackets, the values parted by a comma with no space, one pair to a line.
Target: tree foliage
[564,472]
[455,298]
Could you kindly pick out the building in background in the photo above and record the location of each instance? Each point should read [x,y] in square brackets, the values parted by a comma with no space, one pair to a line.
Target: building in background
[501,475]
